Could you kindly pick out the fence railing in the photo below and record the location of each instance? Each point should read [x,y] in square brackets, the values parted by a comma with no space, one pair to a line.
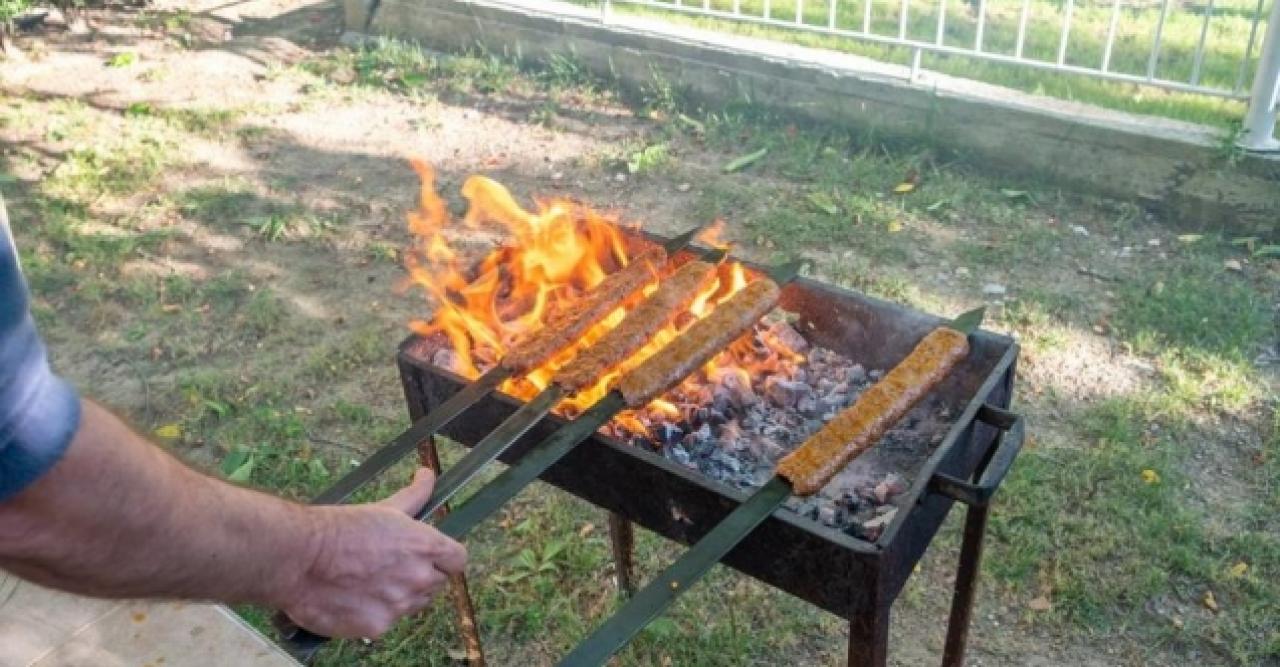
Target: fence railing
[1219,48]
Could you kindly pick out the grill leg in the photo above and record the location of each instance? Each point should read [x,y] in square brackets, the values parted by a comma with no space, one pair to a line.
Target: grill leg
[975,527]
[622,535]
[429,456]
[869,638]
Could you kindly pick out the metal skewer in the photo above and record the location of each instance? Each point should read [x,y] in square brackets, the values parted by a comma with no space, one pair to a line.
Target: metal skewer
[303,644]
[542,456]
[438,418]
[507,433]
[646,605]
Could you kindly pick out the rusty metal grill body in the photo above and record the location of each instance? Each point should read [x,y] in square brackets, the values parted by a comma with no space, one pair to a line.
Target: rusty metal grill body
[851,577]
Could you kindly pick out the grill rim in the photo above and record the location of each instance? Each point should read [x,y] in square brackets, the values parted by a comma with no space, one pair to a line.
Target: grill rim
[920,486]
[842,574]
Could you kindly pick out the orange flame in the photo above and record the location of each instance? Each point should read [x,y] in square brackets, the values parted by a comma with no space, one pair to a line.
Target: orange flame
[549,259]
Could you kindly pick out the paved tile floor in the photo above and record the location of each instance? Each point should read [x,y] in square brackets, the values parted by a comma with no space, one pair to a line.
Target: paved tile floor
[45,628]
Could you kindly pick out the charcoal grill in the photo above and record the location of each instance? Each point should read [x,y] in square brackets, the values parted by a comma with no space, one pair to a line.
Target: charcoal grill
[854,578]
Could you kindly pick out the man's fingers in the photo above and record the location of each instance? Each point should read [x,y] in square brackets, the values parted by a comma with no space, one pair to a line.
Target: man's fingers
[413,497]
[451,557]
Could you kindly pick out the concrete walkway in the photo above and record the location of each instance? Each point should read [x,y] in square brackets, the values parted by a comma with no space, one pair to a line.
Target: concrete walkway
[45,628]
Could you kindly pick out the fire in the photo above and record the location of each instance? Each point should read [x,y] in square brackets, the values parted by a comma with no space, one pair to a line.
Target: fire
[548,260]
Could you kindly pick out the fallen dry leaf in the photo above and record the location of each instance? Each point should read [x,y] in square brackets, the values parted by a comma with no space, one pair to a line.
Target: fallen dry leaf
[1239,569]
[169,431]
[1041,603]
[1209,601]
[1150,476]
[903,188]
[586,529]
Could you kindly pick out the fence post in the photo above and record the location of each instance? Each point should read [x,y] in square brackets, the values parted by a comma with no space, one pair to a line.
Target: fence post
[1260,120]
[606,10]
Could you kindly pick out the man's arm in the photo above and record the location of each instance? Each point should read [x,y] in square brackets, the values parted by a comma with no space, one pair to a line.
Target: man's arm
[88,506]
[118,517]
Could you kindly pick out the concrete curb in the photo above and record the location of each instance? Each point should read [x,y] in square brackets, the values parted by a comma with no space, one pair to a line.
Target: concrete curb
[1178,169]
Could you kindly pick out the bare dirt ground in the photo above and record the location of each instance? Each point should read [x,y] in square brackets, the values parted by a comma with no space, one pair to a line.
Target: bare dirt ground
[267,138]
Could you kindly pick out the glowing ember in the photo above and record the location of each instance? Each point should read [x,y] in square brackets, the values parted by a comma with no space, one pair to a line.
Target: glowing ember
[549,259]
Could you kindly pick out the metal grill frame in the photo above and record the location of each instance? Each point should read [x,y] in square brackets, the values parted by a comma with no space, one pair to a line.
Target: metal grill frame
[850,577]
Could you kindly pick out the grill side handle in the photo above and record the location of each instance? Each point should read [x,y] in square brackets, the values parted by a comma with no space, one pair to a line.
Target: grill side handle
[1012,434]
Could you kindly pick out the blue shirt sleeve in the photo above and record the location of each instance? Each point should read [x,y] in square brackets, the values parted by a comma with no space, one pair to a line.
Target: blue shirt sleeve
[39,412]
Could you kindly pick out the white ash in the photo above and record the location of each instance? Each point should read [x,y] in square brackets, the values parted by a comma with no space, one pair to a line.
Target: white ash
[734,431]
[734,426]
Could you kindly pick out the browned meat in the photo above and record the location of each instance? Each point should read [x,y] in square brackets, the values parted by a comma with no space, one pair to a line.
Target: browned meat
[565,327]
[698,344]
[640,325]
[860,426]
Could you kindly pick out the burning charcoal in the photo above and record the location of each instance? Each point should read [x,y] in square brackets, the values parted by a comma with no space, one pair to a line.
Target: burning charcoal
[866,492]
[856,374]
[723,403]
[667,434]
[712,416]
[730,435]
[447,359]
[891,486]
[789,336]
[872,528]
[851,503]
[784,393]
[807,507]
[882,516]
[807,405]
[678,454]
[765,449]
[827,515]
[833,402]
[734,389]
[730,463]
[876,375]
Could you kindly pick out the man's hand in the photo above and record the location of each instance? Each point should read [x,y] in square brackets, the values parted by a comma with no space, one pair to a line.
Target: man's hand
[118,517]
[373,565]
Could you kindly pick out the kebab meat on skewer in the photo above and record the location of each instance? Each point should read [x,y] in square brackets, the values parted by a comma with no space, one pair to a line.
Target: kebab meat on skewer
[565,328]
[693,348]
[640,325]
[802,472]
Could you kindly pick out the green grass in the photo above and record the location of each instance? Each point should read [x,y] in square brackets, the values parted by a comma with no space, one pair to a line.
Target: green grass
[1203,308]
[283,401]
[1072,519]
[1224,47]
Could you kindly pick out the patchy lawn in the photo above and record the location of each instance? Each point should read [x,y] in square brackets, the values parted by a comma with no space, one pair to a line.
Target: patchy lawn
[211,228]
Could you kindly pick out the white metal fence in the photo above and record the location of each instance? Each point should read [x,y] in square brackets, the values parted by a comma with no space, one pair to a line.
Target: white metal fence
[1218,48]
